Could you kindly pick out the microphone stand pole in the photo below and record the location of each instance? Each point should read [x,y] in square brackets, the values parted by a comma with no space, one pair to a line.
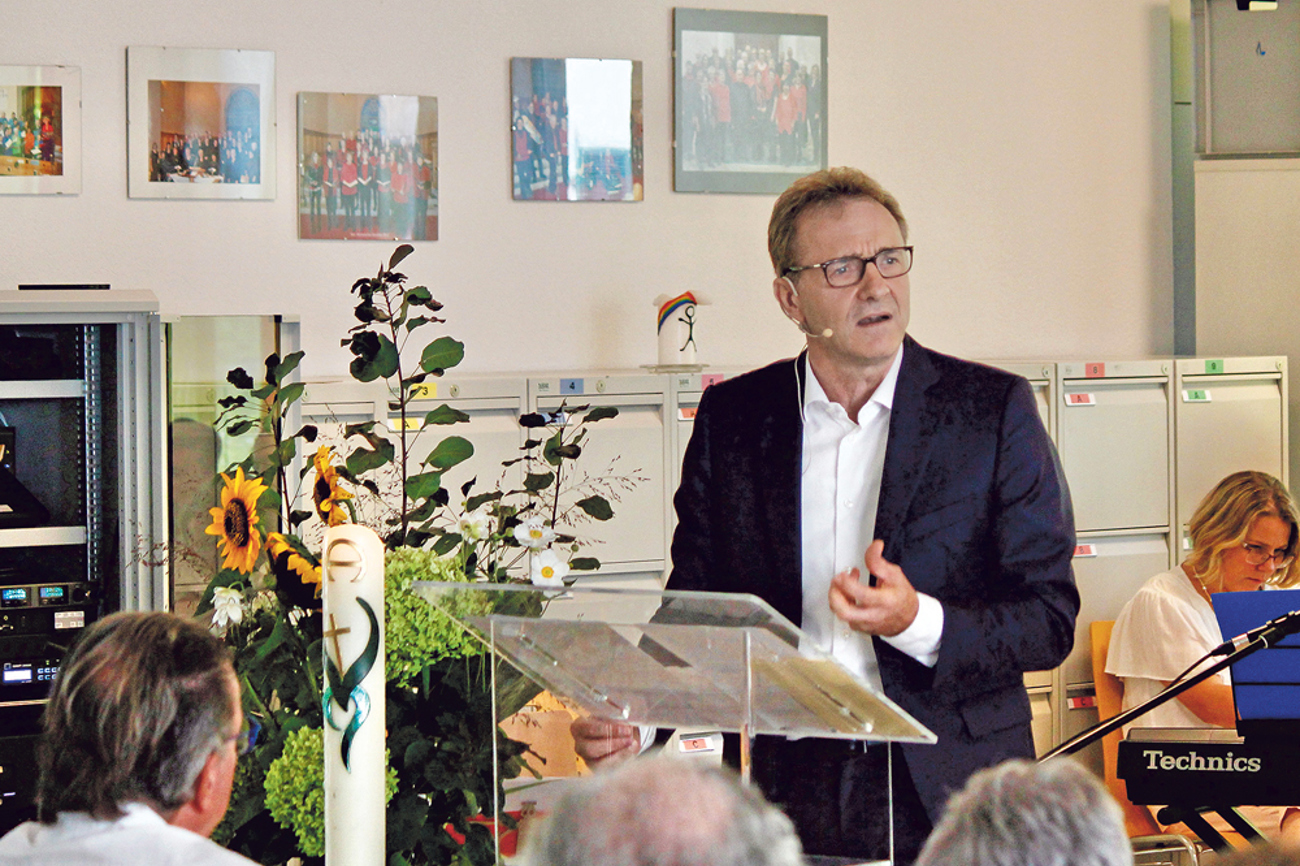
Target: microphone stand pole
[1266,636]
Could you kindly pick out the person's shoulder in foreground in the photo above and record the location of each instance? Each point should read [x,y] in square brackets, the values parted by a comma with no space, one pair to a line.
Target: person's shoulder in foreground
[138,749]
[141,836]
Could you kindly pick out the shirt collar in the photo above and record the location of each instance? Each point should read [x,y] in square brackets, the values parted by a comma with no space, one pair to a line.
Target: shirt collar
[814,394]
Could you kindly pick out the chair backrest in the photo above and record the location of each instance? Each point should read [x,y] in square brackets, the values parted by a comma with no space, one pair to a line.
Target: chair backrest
[1110,700]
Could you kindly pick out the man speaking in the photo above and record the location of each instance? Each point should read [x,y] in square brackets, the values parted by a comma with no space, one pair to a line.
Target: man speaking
[904,507]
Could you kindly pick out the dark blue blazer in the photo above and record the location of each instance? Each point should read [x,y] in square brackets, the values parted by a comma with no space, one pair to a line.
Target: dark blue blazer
[973,507]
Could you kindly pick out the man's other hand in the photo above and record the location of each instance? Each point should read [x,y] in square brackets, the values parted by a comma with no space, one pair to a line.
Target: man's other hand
[601,742]
[885,609]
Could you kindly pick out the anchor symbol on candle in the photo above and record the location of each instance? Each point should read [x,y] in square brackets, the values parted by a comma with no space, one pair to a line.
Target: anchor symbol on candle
[345,690]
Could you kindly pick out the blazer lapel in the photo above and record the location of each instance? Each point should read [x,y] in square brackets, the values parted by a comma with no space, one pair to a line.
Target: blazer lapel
[781,448]
[911,438]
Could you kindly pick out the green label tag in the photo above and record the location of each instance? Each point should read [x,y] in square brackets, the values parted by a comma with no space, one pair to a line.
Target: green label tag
[1196,395]
[1214,365]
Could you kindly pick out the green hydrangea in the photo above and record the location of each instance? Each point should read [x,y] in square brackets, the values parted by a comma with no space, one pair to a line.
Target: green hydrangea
[416,634]
[295,788]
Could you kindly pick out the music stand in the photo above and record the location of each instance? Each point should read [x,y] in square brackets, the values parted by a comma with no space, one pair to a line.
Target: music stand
[704,661]
[1265,686]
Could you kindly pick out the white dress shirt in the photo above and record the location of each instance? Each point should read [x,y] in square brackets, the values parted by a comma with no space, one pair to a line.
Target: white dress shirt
[140,836]
[843,460]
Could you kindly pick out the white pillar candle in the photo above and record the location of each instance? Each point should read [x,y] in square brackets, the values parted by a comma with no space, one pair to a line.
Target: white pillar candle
[355,767]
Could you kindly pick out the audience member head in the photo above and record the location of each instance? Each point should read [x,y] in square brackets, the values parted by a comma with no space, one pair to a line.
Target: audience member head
[819,189]
[1024,814]
[1227,515]
[664,812]
[144,709]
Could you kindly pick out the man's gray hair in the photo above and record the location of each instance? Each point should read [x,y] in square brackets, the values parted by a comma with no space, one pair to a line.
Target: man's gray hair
[136,709]
[1024,814]
[664,812]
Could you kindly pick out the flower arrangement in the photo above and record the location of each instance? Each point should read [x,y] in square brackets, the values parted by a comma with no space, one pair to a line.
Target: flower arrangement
[265,599]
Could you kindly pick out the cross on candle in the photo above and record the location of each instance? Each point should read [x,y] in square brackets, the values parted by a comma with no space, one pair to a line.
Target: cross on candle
[333,633]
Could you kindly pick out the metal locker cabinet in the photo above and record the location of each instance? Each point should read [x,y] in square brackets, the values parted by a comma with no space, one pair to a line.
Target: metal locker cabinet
[1115,440]
[1229,414]
[493,404]
[634,444]
[1109,568]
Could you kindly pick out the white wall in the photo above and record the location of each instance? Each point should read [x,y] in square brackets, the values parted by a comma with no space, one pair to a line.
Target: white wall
[1027,141]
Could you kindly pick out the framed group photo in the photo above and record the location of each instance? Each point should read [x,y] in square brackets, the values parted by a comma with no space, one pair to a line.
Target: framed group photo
[40,130]
[200,123]
[749,100]
[576,129]
[367,167]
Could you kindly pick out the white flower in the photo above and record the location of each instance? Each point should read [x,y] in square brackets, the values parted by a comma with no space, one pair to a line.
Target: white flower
[474,526]
[547,569]
[264,600]
[227,606]
[534,533]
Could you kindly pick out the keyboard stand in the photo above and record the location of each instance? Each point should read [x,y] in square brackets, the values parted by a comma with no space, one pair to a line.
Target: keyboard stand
[1195,821]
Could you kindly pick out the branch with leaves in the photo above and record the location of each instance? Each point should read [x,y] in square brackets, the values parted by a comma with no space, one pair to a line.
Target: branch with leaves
[388,313]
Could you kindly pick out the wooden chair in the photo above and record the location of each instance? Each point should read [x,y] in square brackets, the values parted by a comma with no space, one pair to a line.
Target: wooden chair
[1110,700]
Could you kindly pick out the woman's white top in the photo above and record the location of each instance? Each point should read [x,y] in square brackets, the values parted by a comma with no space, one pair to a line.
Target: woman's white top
[1159,634]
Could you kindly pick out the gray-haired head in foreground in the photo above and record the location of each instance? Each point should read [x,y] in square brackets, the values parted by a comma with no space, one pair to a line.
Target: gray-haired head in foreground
[1024,814]
[664,812]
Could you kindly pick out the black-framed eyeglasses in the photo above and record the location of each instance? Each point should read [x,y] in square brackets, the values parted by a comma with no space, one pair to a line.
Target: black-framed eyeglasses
[848,270]
[1257,555]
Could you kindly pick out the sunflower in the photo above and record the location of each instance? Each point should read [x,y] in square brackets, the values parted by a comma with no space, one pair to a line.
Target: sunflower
[326,492]
[235,521]
[297,575]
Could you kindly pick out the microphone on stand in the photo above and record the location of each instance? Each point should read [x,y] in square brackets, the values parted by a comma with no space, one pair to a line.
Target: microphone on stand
[1269,633]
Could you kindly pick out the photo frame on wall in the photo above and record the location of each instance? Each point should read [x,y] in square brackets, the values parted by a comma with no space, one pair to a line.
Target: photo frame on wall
[749,98]
[200,123]
[576,129]
[367,167]
[40,130]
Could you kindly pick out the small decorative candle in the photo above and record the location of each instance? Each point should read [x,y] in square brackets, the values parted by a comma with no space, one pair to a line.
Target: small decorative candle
[677,318]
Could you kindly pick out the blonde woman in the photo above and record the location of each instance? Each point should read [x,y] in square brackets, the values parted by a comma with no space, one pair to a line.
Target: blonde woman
[1244,535]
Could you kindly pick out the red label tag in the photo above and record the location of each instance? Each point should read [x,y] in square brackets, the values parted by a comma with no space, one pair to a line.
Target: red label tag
[695,744]
[1095,369]
[1085,550]
[1081,399]
[710,379]
[686,413]
[1083,703]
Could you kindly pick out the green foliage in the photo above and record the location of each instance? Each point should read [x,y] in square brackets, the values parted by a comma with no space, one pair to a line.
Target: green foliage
[438,702]
[417,634]
[295,789]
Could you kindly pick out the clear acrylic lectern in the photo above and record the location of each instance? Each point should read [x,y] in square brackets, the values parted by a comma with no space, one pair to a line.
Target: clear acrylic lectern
[696,660]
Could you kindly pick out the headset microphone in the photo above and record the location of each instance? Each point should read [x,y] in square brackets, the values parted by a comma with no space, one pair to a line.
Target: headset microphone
[825,333]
